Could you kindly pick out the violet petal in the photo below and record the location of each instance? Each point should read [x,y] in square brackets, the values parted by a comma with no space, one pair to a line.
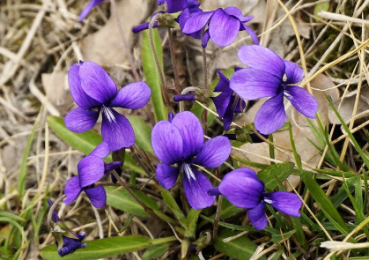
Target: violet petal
[251,32]
[70,245]
[116,130]
[166,175]
[241,188]
[97,196]
[257,216]
[72,190]
[76,91]
[214,152]
[205,38]
[223,28]
[262,58]
[228,117]
[90,170]
[222,100]
[96,82]
[79,120]
[85,12]
[286,202]
[302,100]
[166,142]
[271,116]
[196,187]
[197,22]
[101,151]
[191,131]
[112,166]
[251,84]
[234,11]
[176,5]
[133,96]
[293,72]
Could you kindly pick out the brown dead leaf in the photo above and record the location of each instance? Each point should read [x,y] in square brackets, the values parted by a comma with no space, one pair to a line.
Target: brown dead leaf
[105,47]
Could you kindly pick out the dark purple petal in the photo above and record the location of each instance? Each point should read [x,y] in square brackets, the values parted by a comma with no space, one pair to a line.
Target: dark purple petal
[262,58]
[166,142]
[112,166]
[242,188]
[72,190]
[214,192]
[144,26]
[223,28]
[176,5]
[241,104]
[90,170]
[78,95]
[184,97]
[55,216]
[221,101]
[234,11]
[70,245]
[97,196]
[116,130]
[88,9]
[252,34]
[166,175]
[205,39]
[271,116]
[214,152]
[192,3]
[79,120]
[161,2]
[133,96]
[227,118]
[293,72]
[197,22]
[196,187]
[251,84]
[191,131]
[302,100]
[101,151]
[257,216]
[96,82]
[286,202]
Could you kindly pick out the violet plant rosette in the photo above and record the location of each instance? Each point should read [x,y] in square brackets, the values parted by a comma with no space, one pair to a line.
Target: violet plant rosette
[269,75]
[243,189]
[94,91]
[86,11]
[223,25]
[224,102]
[179,144]
[91,169]
[66,240]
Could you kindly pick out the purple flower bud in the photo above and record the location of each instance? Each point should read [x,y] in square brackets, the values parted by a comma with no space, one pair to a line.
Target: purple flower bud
[88,9]
[144,26]
[184,97]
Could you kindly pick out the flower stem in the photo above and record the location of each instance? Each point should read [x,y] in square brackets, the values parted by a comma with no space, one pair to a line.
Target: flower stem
[173,57]
[157,63]
[124,41]
[217,216]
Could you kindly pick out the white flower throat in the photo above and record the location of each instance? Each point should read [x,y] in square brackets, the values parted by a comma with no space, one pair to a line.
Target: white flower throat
[188,171]
[108,113]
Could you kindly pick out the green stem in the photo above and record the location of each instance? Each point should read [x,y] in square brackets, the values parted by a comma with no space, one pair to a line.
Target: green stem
[271,149]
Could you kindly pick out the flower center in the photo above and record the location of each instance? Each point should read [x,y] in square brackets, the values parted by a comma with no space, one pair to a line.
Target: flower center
[268,201]
[188,171]
[108,113]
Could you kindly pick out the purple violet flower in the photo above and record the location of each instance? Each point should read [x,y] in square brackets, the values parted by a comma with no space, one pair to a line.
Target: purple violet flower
[85,12]
[66,240]
[94,91]
[181,141]
[90,170]
[271,76]
[178,5]
[224,102]
[243,189]
[223,25]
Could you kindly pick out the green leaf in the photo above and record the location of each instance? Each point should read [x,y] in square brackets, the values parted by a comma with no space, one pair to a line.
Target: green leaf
[321,7]
[229,226]
[151,72]
[172,204]
[240,248]
[155,251]
[228,210]
[101,248]
[23,168]
[275,174]
[119,198]
[85,142]
[142,133]
[192,223]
